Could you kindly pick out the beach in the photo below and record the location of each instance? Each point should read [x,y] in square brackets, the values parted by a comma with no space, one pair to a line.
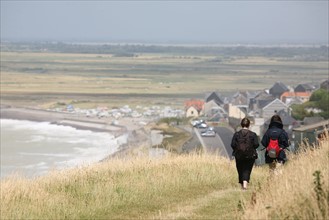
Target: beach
[137,135]
[60,118]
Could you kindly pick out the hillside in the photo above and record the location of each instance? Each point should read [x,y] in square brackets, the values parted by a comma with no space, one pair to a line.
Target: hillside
[174,187]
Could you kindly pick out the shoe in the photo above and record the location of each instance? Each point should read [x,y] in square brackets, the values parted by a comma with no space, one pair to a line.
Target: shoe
[244,185]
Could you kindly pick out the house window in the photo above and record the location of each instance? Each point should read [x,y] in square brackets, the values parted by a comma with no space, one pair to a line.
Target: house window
[192,112]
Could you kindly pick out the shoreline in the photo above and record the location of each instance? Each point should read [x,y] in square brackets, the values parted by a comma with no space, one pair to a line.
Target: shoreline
[60,118]
[136,134]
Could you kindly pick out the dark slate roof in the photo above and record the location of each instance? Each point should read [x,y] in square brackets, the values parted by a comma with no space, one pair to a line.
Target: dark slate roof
[216,97]
[260,100]
[252,94]
[264,102]
[278,88]
[240,98]
[244,110]
[262,95]
[304,88]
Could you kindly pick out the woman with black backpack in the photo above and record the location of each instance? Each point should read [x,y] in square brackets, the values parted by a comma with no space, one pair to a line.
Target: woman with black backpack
[244,144]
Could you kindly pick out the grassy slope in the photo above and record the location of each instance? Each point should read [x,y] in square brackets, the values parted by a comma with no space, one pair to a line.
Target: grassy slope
[175,187]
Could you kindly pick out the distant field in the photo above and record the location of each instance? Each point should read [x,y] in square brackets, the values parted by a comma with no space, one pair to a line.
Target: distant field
[154,76]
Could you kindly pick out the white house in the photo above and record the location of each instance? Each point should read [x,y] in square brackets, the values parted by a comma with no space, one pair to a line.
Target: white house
[273,107]
[235,112]
[192,112]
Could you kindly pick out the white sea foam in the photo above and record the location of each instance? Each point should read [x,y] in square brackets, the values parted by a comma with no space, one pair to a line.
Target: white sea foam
[32,148]
[41,165]
[44,154]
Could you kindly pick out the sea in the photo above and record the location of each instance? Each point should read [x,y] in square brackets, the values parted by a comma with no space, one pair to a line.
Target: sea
[32,149]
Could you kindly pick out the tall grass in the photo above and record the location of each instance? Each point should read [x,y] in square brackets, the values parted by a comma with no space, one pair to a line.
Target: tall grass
[299,191]
[174,187]
[117,189]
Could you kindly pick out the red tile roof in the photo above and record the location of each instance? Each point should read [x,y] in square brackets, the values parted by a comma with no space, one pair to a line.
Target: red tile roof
[296,94]
[197,104]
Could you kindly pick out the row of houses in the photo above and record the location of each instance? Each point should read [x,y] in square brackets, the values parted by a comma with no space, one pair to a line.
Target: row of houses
[255,103]
[258,105]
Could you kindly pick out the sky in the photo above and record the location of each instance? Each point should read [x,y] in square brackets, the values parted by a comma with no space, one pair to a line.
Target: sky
[258,22]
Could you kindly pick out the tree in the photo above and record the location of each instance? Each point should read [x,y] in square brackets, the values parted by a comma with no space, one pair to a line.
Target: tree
[319,99]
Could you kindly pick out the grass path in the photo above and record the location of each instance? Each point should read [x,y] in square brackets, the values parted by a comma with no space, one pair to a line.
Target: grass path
[219,204]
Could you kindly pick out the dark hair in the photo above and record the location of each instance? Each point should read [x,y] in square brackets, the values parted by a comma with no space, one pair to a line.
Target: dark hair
[245,122]
[276,118]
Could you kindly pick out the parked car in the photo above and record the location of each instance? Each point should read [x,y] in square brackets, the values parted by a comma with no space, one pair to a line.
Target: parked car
[208,133]
[201,125]
[196,122]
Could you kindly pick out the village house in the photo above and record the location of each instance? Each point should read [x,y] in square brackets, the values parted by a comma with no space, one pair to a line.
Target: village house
[295,97]
[214,112]
[194,108]
[278,89]
[213,107]
[210,108]
[273,108]
[236,112]
[240,99]
[304,88]
[216,97]
[258,102]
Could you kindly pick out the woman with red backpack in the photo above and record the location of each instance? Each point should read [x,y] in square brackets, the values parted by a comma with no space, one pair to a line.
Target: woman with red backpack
[275,140]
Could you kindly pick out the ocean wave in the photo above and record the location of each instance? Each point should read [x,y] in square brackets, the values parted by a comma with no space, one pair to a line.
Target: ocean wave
[46,154]
[36,146]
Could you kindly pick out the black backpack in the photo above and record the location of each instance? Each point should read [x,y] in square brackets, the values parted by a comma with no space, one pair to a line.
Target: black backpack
[244,148]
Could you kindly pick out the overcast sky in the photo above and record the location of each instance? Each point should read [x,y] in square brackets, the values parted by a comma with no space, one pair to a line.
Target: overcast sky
[260,22]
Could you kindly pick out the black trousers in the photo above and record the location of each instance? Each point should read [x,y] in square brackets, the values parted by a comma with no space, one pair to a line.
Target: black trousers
[244,167]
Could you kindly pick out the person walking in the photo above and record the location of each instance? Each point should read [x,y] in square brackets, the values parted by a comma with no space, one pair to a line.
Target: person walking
[244,144]
[275,132]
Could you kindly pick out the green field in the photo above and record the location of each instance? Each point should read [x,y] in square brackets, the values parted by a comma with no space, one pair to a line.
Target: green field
[146,77]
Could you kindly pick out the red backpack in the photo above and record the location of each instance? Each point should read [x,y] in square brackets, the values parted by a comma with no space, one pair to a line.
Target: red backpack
[273,148]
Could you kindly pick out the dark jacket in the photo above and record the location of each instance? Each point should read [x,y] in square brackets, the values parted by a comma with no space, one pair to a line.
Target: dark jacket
[276,131]
[253,139]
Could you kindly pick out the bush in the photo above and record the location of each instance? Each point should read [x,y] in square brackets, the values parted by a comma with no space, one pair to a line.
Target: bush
[319,99]
[299,112]
[319,94]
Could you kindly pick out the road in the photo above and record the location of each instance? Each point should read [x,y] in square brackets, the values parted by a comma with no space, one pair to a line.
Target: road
[220,144]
